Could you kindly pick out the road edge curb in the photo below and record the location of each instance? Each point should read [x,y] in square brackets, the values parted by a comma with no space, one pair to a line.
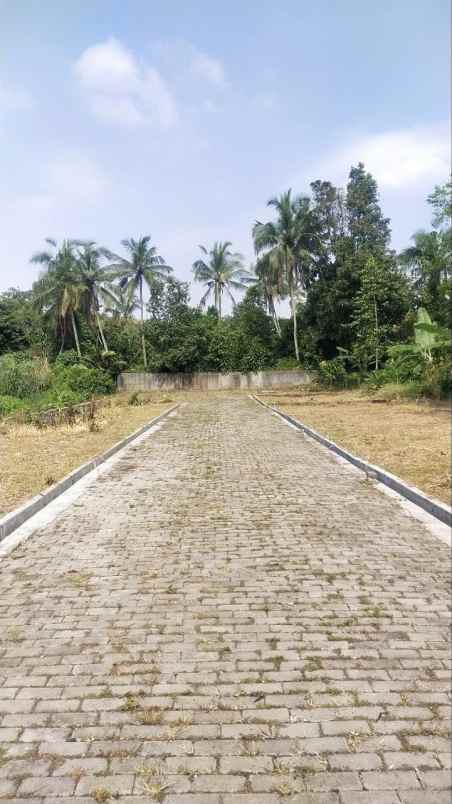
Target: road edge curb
[439,510]
[14,519]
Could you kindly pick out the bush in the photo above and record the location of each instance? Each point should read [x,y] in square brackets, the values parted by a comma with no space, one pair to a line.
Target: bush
[406,363]
[22,377]
[288,363]
[10,404]
[437,381]
[68,358]
[332,373]
[82,381]
[256,358]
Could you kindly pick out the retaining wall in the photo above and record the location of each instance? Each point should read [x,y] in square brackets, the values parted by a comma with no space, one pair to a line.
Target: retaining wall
[210,381]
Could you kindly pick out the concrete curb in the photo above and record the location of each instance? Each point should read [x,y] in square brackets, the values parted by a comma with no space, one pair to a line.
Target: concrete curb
[15,518]
[436,508]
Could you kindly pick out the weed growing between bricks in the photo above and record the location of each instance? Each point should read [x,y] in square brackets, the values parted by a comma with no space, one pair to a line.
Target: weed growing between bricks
[238,621]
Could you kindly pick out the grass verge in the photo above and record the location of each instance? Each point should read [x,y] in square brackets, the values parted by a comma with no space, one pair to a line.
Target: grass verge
[34,458]
[410,439]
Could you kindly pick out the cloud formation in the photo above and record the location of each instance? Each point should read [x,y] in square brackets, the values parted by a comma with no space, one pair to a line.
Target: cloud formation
[399,159]
[122,90]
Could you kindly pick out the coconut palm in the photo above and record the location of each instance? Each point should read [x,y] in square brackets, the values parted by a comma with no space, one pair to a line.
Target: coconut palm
[288,243]
[95,279]
[271,281]
[143,267]
[118,301]
[58,291]
[222,271]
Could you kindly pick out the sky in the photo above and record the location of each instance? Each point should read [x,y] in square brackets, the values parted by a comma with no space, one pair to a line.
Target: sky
[181,119]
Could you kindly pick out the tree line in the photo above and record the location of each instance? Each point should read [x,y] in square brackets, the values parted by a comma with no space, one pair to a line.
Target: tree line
[353,300]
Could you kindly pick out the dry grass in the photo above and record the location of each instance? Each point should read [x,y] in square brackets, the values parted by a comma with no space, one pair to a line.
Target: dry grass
[33,459]
[410,439]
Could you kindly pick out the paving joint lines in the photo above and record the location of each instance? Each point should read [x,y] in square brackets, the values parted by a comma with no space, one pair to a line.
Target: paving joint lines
[435,508]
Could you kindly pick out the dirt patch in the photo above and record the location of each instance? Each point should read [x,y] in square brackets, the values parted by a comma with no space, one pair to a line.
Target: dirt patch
[410,439]
[34,458]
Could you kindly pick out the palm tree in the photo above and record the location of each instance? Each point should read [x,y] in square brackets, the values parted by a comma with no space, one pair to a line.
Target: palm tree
[222,271]
[95,280]
[58,291]
[143,267]
[271,282]
[288,243]
[428,260]
[118,301]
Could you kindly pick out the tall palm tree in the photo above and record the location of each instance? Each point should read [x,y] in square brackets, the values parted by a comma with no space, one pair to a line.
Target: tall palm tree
[222,271]
[271,281]
[288,242]
[95,279]
[58,291]
[143,267]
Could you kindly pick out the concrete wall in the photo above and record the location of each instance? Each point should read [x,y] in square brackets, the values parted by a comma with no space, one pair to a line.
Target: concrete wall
[209,381]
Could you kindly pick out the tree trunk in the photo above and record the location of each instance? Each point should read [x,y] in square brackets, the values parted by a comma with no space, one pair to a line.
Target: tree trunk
[74,330]
[143,342]
[63,335]
[101,332]
[377,336]
[293,305]
[274,315]
[220,290]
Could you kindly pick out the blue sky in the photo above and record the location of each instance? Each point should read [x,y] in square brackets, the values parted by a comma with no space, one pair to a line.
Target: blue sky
[180,119]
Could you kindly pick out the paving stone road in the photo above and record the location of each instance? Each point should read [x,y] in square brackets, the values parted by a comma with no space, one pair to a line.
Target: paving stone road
[228,616]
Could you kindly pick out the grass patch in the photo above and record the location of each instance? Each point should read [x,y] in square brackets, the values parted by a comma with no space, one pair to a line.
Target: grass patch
[413,442]
[33,458]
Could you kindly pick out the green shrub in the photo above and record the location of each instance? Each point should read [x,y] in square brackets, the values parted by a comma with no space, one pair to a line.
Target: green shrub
[406,363]
[256,358]
[287,363]
[10,404]
[332,373]
[22,376]
[68,358]
[437,381]
[81,381]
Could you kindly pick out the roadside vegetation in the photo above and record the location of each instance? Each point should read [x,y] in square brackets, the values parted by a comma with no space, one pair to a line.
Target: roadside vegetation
[359,312]
[368,323]
[34,455]
[409,438]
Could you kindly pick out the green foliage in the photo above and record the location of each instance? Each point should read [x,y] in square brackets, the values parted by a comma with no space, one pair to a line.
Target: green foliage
[379,307]
[21,326]
[256,357]
[81,380]
[22,377]
[10,404]
[31,384]
[356,308]
[287,363]
[332,373]
[221,273]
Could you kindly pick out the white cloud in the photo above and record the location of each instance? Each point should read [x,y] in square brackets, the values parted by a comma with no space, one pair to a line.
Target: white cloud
[398,159]
[14,99]
[208,68]
[123,91]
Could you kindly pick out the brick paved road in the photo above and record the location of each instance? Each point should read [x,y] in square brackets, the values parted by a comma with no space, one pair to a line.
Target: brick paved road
[227,617]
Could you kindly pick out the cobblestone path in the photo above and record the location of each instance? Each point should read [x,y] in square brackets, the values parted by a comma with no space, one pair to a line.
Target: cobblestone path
[227,617]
